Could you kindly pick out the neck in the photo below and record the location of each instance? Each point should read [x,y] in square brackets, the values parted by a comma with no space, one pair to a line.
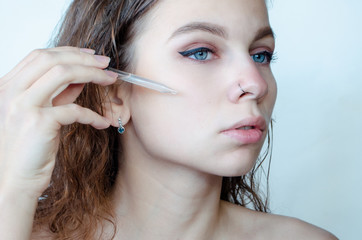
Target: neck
[157,199]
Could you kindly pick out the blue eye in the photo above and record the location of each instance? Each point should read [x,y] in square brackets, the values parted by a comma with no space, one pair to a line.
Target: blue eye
[200,54]
[263,57]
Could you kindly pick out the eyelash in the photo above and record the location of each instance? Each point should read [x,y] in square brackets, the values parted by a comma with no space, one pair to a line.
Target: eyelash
[194,51]
[269,56]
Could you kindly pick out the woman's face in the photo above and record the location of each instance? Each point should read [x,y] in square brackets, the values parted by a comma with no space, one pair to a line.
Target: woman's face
[207,50]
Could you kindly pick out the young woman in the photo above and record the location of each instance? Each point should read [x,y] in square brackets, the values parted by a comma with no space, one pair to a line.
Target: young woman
[184,166]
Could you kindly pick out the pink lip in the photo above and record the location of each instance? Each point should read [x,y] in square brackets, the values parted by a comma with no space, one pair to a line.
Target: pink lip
[247,136]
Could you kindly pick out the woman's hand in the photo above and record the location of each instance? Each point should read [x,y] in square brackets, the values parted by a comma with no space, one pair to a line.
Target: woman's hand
[36,100]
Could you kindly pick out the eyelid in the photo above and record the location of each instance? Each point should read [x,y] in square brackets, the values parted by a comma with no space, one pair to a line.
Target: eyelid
[188,53]
[261,49]
[195,50]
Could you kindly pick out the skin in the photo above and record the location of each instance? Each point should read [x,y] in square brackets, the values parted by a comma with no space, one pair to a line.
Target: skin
[208,101]
[181,182]
[36,101]
[186,175]
[175,150]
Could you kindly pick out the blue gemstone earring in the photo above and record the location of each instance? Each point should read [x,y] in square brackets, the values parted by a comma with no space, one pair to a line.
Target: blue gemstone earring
[121,129]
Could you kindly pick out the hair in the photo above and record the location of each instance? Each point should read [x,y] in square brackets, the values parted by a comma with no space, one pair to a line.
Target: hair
[77,202]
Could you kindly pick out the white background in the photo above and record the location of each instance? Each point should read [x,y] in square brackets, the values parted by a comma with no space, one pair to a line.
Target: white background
[315,171]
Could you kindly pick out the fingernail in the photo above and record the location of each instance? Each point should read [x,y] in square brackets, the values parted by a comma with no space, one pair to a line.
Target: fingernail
[87,50]
[102,59]
[111,74]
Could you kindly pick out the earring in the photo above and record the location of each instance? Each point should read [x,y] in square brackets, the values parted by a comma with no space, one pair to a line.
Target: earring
[121,129]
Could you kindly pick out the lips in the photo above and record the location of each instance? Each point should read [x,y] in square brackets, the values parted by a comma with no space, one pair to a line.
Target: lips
[247,131]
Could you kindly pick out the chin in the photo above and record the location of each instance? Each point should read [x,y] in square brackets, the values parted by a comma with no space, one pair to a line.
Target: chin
[236,167]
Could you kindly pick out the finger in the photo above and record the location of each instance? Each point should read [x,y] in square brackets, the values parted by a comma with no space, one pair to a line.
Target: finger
[60,77]
[17,68]
[45,59]
[69,95]
[72,49]
[30,57]
[72,113]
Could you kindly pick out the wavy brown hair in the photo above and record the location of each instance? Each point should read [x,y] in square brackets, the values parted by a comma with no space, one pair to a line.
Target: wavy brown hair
[77,202]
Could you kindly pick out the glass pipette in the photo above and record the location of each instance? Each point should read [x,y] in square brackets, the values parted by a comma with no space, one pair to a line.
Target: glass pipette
[131,78]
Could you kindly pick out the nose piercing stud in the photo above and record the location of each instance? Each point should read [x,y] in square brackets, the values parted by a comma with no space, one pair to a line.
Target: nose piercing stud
[242,91]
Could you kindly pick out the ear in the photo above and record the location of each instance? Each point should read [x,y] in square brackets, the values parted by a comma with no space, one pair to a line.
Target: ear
[117,104]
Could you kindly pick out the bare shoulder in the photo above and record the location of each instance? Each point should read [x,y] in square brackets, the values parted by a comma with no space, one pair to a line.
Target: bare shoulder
[258,226]
[293,228]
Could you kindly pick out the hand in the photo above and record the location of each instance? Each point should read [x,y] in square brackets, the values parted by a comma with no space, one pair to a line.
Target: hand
[36,100]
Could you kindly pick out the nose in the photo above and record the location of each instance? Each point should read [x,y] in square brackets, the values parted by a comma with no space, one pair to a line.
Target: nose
[248,83]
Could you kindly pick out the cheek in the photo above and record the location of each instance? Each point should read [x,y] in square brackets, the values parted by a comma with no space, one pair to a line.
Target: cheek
[172,121]
[184,129]
[177,121]
[273,93]
[270,99]
[183,112]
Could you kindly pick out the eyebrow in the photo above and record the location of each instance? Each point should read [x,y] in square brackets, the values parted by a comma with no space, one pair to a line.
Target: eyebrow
[264,32]
[218,30]
[201,26]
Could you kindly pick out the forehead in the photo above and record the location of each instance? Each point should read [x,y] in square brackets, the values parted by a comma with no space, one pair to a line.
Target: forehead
[235,16]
